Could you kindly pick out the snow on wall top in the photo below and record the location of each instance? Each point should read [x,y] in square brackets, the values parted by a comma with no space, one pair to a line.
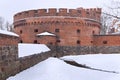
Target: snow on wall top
[29,49]
[8,33]
[46,34]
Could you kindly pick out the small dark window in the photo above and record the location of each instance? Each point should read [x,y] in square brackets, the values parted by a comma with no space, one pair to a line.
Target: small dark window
[78,31]
[54,56]
[21,41]
[91,41]
[104,42]
[36,11]
[2,69]
[35,41]
[35,30]
[21,31]
[57,30]
[93,32]
[58,41]
[51,43]
[78,41]
[87,12]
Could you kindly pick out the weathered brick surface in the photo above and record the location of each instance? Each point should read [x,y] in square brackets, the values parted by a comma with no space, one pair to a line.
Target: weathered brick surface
[90,13]
[8,40]
[8,55]
[28,61]
[106,49]
[50,40]
[73,24]
[8,61]
[106,40]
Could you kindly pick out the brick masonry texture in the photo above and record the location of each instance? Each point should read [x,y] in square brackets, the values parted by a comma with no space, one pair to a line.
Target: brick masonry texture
[8,61]
[71,26]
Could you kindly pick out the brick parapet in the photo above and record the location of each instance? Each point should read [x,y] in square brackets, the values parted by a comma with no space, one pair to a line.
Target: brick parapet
[93,13]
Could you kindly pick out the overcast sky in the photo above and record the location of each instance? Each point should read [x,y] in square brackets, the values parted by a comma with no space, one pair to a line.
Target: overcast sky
[10,7]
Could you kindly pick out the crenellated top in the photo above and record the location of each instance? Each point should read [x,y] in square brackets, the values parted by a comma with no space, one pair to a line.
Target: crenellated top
[93,13]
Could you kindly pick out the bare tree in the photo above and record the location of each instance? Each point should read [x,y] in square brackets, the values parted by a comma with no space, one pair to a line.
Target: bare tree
[11,28]
[109,15]
[105,20]
[8,26]
[1,23]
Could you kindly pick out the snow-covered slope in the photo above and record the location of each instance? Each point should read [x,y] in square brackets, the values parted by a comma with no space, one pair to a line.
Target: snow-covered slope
[56,69]
[29,49]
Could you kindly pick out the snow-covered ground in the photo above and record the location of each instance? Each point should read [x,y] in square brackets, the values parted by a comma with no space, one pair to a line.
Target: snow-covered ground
[29,49]
[57,69]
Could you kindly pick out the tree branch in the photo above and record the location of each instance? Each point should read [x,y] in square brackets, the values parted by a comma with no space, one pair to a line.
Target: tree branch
[111,15]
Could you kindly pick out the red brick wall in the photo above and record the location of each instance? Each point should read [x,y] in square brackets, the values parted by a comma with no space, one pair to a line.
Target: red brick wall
[107,40]
[93,13]
[49,40]
[67,21]
[8,40]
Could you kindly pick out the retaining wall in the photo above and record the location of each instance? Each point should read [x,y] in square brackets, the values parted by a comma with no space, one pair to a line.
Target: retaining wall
[28,61]
[23,63]
[8,61]
[81,50]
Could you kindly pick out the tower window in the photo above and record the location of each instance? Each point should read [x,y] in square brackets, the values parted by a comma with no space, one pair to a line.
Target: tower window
[21,41]
[104,42]
[35,30]
[93,32]
[21,31]
[78,31]
[78,41]
[35,41]
[58,41]
[91,41]
[57,30]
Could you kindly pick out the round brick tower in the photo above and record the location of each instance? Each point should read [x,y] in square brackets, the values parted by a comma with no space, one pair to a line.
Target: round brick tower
[71,27]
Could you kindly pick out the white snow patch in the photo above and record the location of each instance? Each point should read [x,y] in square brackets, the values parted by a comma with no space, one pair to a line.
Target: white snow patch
[8,33]
[29,49]
[46,34]
[56,69]
[100,61]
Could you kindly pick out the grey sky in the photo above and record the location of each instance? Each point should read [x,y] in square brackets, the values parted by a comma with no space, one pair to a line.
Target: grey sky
[10,7]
